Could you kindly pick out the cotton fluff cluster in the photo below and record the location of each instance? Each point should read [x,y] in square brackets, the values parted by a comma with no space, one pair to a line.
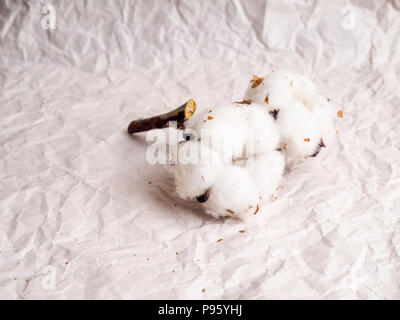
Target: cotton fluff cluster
[305,119]
[233,156]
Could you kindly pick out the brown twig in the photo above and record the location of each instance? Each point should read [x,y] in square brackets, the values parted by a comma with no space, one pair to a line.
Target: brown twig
[184,112]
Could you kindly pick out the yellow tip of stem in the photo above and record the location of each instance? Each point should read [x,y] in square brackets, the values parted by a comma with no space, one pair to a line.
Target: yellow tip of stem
[190,108]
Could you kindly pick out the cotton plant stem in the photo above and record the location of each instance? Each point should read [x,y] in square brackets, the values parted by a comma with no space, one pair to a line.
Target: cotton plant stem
[180,115]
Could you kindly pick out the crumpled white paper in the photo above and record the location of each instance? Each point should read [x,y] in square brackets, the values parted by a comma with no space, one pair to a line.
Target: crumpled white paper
[82,214]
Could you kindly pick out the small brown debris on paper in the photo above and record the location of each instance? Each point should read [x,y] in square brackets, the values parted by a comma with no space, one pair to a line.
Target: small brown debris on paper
[256,81]
[273,197]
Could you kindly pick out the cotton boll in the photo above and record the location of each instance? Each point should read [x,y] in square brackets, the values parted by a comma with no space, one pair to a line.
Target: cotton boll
[280,89]
[266,170]
[282,119]
[304,118]
[263,135]
[326,114]
[300,131]
[233,194]
[306,92]
[273,91]
[224,129]
[197,168]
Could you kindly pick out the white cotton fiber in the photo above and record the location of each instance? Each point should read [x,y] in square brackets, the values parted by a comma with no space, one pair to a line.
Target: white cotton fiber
[224,129]
[263,135]
[300,131]
[274,89]
[281,119]
[196,170]
[233,194]
[266,170]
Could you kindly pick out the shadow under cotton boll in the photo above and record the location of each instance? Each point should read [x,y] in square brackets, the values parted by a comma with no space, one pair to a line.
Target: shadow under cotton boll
[232,135]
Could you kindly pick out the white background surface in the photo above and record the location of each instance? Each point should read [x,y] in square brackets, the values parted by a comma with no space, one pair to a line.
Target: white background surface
[78,217]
